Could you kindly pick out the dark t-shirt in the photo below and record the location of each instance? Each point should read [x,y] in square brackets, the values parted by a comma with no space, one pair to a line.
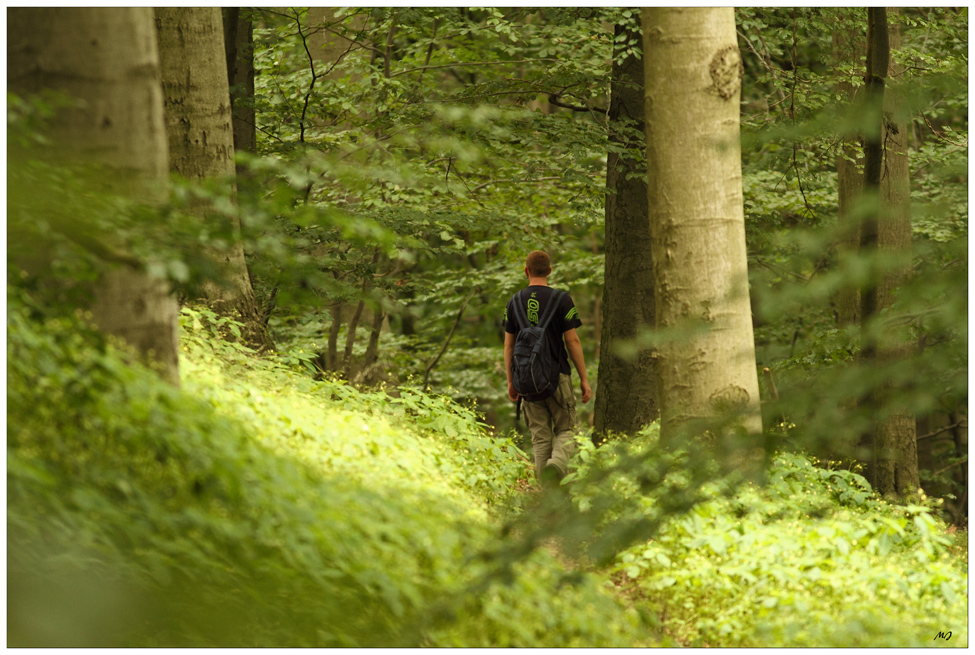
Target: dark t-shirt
[566,317]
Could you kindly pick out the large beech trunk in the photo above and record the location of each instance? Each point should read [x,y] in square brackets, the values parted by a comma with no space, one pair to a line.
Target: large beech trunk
[895,450]
[199,125]
[693,81]
[108,59]
[626,397]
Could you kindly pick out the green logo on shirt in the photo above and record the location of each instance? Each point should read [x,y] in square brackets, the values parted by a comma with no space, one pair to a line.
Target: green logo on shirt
[533,311]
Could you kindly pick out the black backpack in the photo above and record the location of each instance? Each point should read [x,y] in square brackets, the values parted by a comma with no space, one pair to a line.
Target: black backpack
[534,370]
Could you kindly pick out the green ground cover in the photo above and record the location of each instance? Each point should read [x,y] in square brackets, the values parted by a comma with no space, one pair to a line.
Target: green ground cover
[811,558]
[258,507]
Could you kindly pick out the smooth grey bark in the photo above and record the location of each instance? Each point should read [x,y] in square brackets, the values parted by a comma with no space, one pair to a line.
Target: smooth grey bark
[201,144]
[896,432]
[693,76]
[107,58]
[626,396]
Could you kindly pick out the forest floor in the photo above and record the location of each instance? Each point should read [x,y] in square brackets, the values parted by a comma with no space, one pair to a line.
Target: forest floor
[633,595]
[629,595]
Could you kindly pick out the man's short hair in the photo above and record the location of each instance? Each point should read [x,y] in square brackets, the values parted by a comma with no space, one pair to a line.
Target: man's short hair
[538,263]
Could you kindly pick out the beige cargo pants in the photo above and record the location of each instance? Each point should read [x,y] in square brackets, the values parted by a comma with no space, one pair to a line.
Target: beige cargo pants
[553,425]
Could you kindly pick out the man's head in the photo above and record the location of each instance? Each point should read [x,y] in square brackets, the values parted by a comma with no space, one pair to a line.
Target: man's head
[538,264]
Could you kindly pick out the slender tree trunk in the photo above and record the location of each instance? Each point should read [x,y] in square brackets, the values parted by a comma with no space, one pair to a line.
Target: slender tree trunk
[693,82]
[332,354]
[108,59]
[849,163]
[896,435]
[350,339]
[878,53]
[239,45]
[325,42]
[878,56]
[372,348]
[960,439]
[597,305]
[626,397]
[201,142]
[328,46]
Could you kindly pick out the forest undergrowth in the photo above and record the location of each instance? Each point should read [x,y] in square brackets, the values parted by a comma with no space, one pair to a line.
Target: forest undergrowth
[257,506]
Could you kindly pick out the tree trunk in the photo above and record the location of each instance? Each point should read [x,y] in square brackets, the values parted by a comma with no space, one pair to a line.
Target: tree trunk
[332,354]
[626,397]
[849,162]
[238,33]
[325,45]
[878,56]
[896,435]
[369,375]
[201,142]
[350,336]
[693,82]
[108,59]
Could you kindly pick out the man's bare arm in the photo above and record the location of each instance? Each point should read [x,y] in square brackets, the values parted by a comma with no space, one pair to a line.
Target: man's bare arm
[574,346]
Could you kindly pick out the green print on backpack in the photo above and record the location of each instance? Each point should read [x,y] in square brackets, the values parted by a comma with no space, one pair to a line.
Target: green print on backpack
[534,367]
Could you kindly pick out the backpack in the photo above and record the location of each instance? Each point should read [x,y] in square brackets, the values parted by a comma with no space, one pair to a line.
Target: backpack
[534,370]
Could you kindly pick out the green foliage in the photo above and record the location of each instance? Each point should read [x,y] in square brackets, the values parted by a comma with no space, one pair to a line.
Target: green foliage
[268,504]
[256,507]
[793,119]
[812,558]
[448,445]
[450,144]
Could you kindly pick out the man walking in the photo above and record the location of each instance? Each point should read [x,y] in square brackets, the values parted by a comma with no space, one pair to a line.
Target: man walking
[552,420]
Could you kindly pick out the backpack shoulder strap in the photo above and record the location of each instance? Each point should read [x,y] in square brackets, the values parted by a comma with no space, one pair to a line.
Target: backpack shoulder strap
[521,319]
[553,306]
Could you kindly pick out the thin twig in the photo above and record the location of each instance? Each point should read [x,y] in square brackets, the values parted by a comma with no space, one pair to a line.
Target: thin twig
[450,335]
[514,179]
[951,466]
[388,54]
[436,22]
[469,63]
[363,45]
[792,113]
[314,76]
[553,99]
[937,432]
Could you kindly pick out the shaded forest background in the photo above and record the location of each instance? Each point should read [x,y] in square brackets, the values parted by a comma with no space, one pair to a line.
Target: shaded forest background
[463,139]
[313,248]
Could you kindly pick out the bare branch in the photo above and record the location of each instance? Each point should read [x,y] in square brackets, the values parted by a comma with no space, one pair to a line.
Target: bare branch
[951,466]
[553,98]
[314,76]
[513,179]
[468,63]
[937,432]
[450,335]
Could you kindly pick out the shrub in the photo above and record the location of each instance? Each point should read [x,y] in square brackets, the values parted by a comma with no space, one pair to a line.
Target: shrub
[257,507]
[812,558]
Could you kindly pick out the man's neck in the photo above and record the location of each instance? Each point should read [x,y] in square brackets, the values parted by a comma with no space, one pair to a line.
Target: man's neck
[537,282]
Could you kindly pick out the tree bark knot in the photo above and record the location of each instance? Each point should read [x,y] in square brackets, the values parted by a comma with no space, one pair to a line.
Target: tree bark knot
[726,72]
[729,399]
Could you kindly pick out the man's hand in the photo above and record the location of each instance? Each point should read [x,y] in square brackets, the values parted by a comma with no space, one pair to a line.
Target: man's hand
[512,394]
[586,391]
